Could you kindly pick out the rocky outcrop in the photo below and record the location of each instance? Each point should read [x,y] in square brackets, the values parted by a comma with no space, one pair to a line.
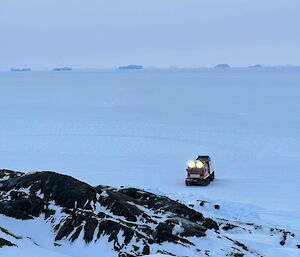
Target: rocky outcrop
[4,242]
[6,174]
[132,221]
[142,218]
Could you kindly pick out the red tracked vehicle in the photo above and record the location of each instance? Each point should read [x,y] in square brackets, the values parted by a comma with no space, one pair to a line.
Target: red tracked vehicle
[200,172]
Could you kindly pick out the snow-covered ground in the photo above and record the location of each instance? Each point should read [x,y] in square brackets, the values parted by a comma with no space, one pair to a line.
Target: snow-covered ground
[140,128]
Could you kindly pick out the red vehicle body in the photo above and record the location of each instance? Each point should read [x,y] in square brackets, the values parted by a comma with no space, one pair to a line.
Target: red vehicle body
[200,172]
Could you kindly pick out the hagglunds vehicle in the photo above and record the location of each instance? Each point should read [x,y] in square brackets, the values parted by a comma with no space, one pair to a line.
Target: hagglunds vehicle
[200,172]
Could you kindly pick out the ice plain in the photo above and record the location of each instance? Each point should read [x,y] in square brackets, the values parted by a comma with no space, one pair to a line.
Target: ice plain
[139,128]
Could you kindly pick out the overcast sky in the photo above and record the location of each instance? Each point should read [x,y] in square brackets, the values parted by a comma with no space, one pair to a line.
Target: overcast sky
[107,33]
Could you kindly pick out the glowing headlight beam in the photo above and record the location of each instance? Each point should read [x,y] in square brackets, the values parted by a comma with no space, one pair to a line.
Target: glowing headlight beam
[199,165]
[191,164]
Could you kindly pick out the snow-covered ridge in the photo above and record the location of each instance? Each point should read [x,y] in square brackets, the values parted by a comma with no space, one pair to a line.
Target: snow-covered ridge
[69,217]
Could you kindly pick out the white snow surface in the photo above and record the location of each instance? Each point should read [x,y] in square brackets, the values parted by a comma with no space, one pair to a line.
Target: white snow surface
[140,128]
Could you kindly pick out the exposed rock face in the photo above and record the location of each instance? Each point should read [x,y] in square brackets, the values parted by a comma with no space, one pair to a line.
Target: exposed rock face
[6,174]
[142,218]
[4,242]
[132,221]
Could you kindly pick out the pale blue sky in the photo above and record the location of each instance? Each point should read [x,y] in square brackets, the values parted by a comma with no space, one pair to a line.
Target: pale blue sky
[107,33]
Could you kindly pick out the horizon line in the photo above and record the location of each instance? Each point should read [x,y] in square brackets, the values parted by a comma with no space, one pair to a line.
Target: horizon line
[171,67]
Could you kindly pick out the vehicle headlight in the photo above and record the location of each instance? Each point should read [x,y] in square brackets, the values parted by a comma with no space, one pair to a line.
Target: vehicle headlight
[199,165]
[191,164]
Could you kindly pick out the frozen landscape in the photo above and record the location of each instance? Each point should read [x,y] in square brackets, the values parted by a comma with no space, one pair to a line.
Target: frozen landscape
[139,128]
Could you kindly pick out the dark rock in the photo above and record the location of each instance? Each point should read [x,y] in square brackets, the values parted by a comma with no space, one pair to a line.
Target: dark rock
[101,215]
[161,203]
[64,190]
[244,247]
[65,230]
[24,208]
[89,229]
[118,204]
[210,224]
[146,250]
[285,235]
[237,254]
[76,234]
[165,252]
[228,226]
[135,248]
[4,242]
[217,207]
[10,174]
[5,231]
[132,214]
[163,233]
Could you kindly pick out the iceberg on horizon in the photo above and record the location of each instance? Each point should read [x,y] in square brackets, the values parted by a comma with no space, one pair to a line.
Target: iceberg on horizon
[20,69]
[256,66]
[131,67]
[62,69]
[222,65]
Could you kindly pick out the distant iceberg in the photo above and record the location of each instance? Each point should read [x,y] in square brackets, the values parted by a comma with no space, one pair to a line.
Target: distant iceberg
[131,67]
[62,69]
[256,66]
[20,69]
[222,65]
